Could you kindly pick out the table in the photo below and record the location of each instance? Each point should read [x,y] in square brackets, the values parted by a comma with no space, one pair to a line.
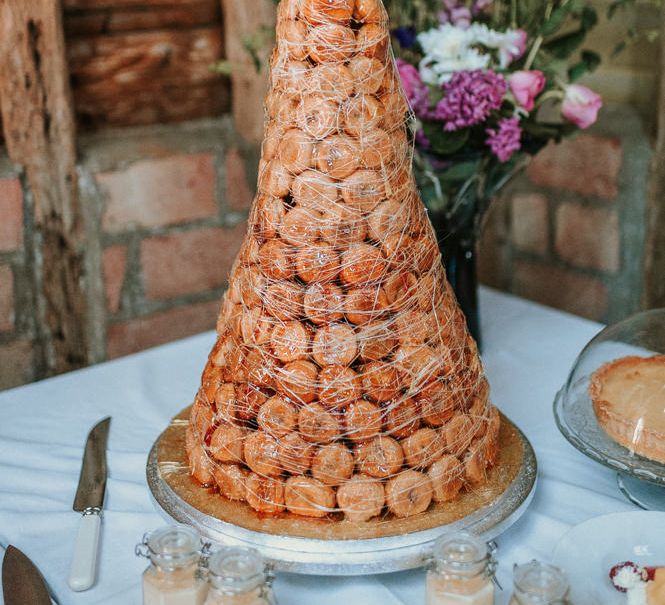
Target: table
[528,351]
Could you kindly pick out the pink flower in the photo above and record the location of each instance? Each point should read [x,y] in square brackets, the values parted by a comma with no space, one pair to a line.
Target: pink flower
[415,89]
[581,105]
[410,78]
[455,13]
[526,86]
[460,17]
[512,46]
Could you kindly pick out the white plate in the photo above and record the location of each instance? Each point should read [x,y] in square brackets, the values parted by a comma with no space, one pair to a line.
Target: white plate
[589,550]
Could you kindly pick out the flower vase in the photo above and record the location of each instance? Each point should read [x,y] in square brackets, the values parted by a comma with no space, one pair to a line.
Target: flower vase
[457,235]
[460,259]
[458,194]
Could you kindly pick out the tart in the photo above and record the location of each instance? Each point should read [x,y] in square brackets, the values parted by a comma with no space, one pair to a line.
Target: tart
[628,397]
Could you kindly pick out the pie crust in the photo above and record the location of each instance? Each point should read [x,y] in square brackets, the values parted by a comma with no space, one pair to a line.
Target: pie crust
[628,397]
[656,588]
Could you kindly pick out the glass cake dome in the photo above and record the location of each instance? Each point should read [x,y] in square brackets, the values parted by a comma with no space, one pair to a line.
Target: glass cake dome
[612,407]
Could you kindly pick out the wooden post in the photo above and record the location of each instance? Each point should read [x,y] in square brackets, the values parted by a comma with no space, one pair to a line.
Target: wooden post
[654,282]
[243,19]
[40,135]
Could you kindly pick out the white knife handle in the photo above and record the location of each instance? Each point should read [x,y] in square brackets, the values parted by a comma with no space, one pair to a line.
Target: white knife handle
[84,562]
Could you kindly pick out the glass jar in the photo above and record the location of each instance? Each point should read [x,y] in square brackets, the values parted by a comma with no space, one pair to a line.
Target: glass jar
[461,572]
[238,576]
[173,576]
[537,583]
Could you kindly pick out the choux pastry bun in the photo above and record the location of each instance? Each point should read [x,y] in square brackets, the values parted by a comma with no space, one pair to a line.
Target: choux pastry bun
[317,12]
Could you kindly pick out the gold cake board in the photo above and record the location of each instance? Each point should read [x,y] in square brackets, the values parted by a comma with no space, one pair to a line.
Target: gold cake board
[337,546]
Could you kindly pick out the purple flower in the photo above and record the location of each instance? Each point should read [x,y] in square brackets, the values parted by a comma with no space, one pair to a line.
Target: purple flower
[470,97]
[505,140]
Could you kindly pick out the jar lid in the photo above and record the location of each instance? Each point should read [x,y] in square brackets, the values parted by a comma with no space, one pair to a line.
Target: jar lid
[236,570]
[461,550]
[542,583]
[173,546]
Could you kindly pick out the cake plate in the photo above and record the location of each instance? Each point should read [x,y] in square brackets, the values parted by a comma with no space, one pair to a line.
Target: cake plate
[640,480]
[319,546]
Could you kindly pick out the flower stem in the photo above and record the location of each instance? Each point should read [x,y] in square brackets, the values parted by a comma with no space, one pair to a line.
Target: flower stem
[533,52]
[550,94]
[539,40]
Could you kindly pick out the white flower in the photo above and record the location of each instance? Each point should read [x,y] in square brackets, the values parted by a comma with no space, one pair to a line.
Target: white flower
[479,33]
[512,46]
[443,42]
[449,48]
[510,43]
[441,71]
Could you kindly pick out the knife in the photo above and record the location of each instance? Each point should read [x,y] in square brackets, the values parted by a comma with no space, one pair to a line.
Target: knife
[89,501]
[21,581]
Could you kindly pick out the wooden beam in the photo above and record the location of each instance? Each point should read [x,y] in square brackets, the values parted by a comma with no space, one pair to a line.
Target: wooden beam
[654,282]
[40,136]
[115,4]
[243,19]
[110,19]
[147,77]
[128,62]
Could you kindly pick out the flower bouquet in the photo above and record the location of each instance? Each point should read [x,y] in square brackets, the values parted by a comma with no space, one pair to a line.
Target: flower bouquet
[490,84]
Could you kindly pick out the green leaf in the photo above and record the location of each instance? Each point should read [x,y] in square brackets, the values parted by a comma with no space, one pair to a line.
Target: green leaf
[222,67]
[443,142]
[589,62]
[540,130]
[550,130]
[556,19]
[589,18]
[616,5]
[575,72]
[565,45]
[461,171]
[619,48]
[591,58]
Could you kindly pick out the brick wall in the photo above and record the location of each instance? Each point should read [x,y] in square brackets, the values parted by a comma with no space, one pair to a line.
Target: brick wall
[570,232]
[172,222]
[171,205]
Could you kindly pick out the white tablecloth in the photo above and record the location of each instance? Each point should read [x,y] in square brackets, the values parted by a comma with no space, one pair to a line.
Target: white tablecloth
[528,351]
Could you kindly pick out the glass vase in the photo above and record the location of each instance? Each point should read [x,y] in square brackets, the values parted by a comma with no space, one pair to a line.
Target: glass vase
[458,192]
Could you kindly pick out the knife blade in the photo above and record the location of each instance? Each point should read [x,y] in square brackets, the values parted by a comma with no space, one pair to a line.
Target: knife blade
[21,581]
[89,501]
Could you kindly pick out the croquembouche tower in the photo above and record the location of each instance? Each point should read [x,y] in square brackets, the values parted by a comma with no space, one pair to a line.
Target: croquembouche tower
[343,383]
